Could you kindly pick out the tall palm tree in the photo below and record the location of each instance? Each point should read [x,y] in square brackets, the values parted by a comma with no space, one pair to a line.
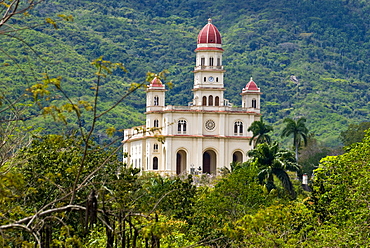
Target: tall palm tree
[299,131]
[260,130]
[273,161]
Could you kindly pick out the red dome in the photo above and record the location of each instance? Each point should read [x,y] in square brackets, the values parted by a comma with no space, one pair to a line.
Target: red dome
[251,86]
[209,34]
[156,82]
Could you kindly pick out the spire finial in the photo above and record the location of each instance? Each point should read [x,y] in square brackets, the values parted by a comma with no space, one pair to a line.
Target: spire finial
[251,79]
[209,20]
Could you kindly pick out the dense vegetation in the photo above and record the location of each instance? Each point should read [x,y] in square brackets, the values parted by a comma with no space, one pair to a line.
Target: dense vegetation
[306,63]
[115,206]
[64,186]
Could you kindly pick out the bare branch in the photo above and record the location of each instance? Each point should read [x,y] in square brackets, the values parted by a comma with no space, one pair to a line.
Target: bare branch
[30,219]
[14,9]
[19,226]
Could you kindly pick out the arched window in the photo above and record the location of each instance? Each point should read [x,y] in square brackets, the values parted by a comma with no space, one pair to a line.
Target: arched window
[181,127]
[210,61]
[218,61]
[155,163]
[156,123]
[202,61]
[216,79]
[156,101]
[237,157]
[210,100]
[238,128]
[254,103]
[204,79]
[204,103]
[155,148]
[217,101]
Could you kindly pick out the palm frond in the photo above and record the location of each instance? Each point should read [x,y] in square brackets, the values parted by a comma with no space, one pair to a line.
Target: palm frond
[285,181]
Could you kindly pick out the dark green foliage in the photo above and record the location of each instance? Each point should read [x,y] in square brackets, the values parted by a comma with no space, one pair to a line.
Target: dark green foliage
[50,165]
[235,195]
[132,209]
[172,196]
[272,161]
[341,193]
[354,133]
[298,130]
[310,155]
[260,130]
[46,171]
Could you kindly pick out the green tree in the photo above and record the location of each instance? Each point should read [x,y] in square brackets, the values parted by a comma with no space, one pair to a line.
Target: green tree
[299,131]
[354,133]
[310,155]
[233,196]
[272,161]
[63,176]
[46,171]
[278,225]
[260,131]
[341,194]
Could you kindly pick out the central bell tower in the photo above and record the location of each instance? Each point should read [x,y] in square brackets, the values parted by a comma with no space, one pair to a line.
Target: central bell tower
[208,71]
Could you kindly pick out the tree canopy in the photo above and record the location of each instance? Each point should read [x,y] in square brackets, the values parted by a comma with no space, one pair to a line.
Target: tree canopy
[298,130]
[272,161]
[354,133]
[260,131]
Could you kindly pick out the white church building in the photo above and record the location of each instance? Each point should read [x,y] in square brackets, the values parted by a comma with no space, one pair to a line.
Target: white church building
[204,136]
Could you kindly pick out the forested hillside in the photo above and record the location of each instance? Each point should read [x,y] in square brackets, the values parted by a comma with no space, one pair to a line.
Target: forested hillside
[310,58]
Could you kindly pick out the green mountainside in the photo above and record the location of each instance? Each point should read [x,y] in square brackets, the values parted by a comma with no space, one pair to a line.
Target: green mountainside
[310,58]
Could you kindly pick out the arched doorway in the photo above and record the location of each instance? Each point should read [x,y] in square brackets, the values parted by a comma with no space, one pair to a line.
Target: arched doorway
[238,157]
[209,162]
[180,162]
[155,163]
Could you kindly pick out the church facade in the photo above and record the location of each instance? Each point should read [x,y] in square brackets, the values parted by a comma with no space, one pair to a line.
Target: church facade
[204,136]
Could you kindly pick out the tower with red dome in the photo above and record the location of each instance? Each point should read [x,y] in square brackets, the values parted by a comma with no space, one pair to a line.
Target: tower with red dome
[155,95]
[209,71]
[251,96]
[204,136]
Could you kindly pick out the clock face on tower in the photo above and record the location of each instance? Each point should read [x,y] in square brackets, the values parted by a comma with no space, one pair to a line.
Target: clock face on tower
[211,79]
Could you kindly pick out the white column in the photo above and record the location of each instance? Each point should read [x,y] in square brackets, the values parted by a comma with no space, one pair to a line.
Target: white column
[222,124]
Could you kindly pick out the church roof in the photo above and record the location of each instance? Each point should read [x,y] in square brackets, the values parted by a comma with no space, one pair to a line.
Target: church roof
[209,34]
[156,82]
[251,86]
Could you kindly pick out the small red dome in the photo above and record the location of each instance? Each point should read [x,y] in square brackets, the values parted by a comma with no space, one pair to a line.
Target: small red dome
[156,82]
[209,34]
[251,86]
